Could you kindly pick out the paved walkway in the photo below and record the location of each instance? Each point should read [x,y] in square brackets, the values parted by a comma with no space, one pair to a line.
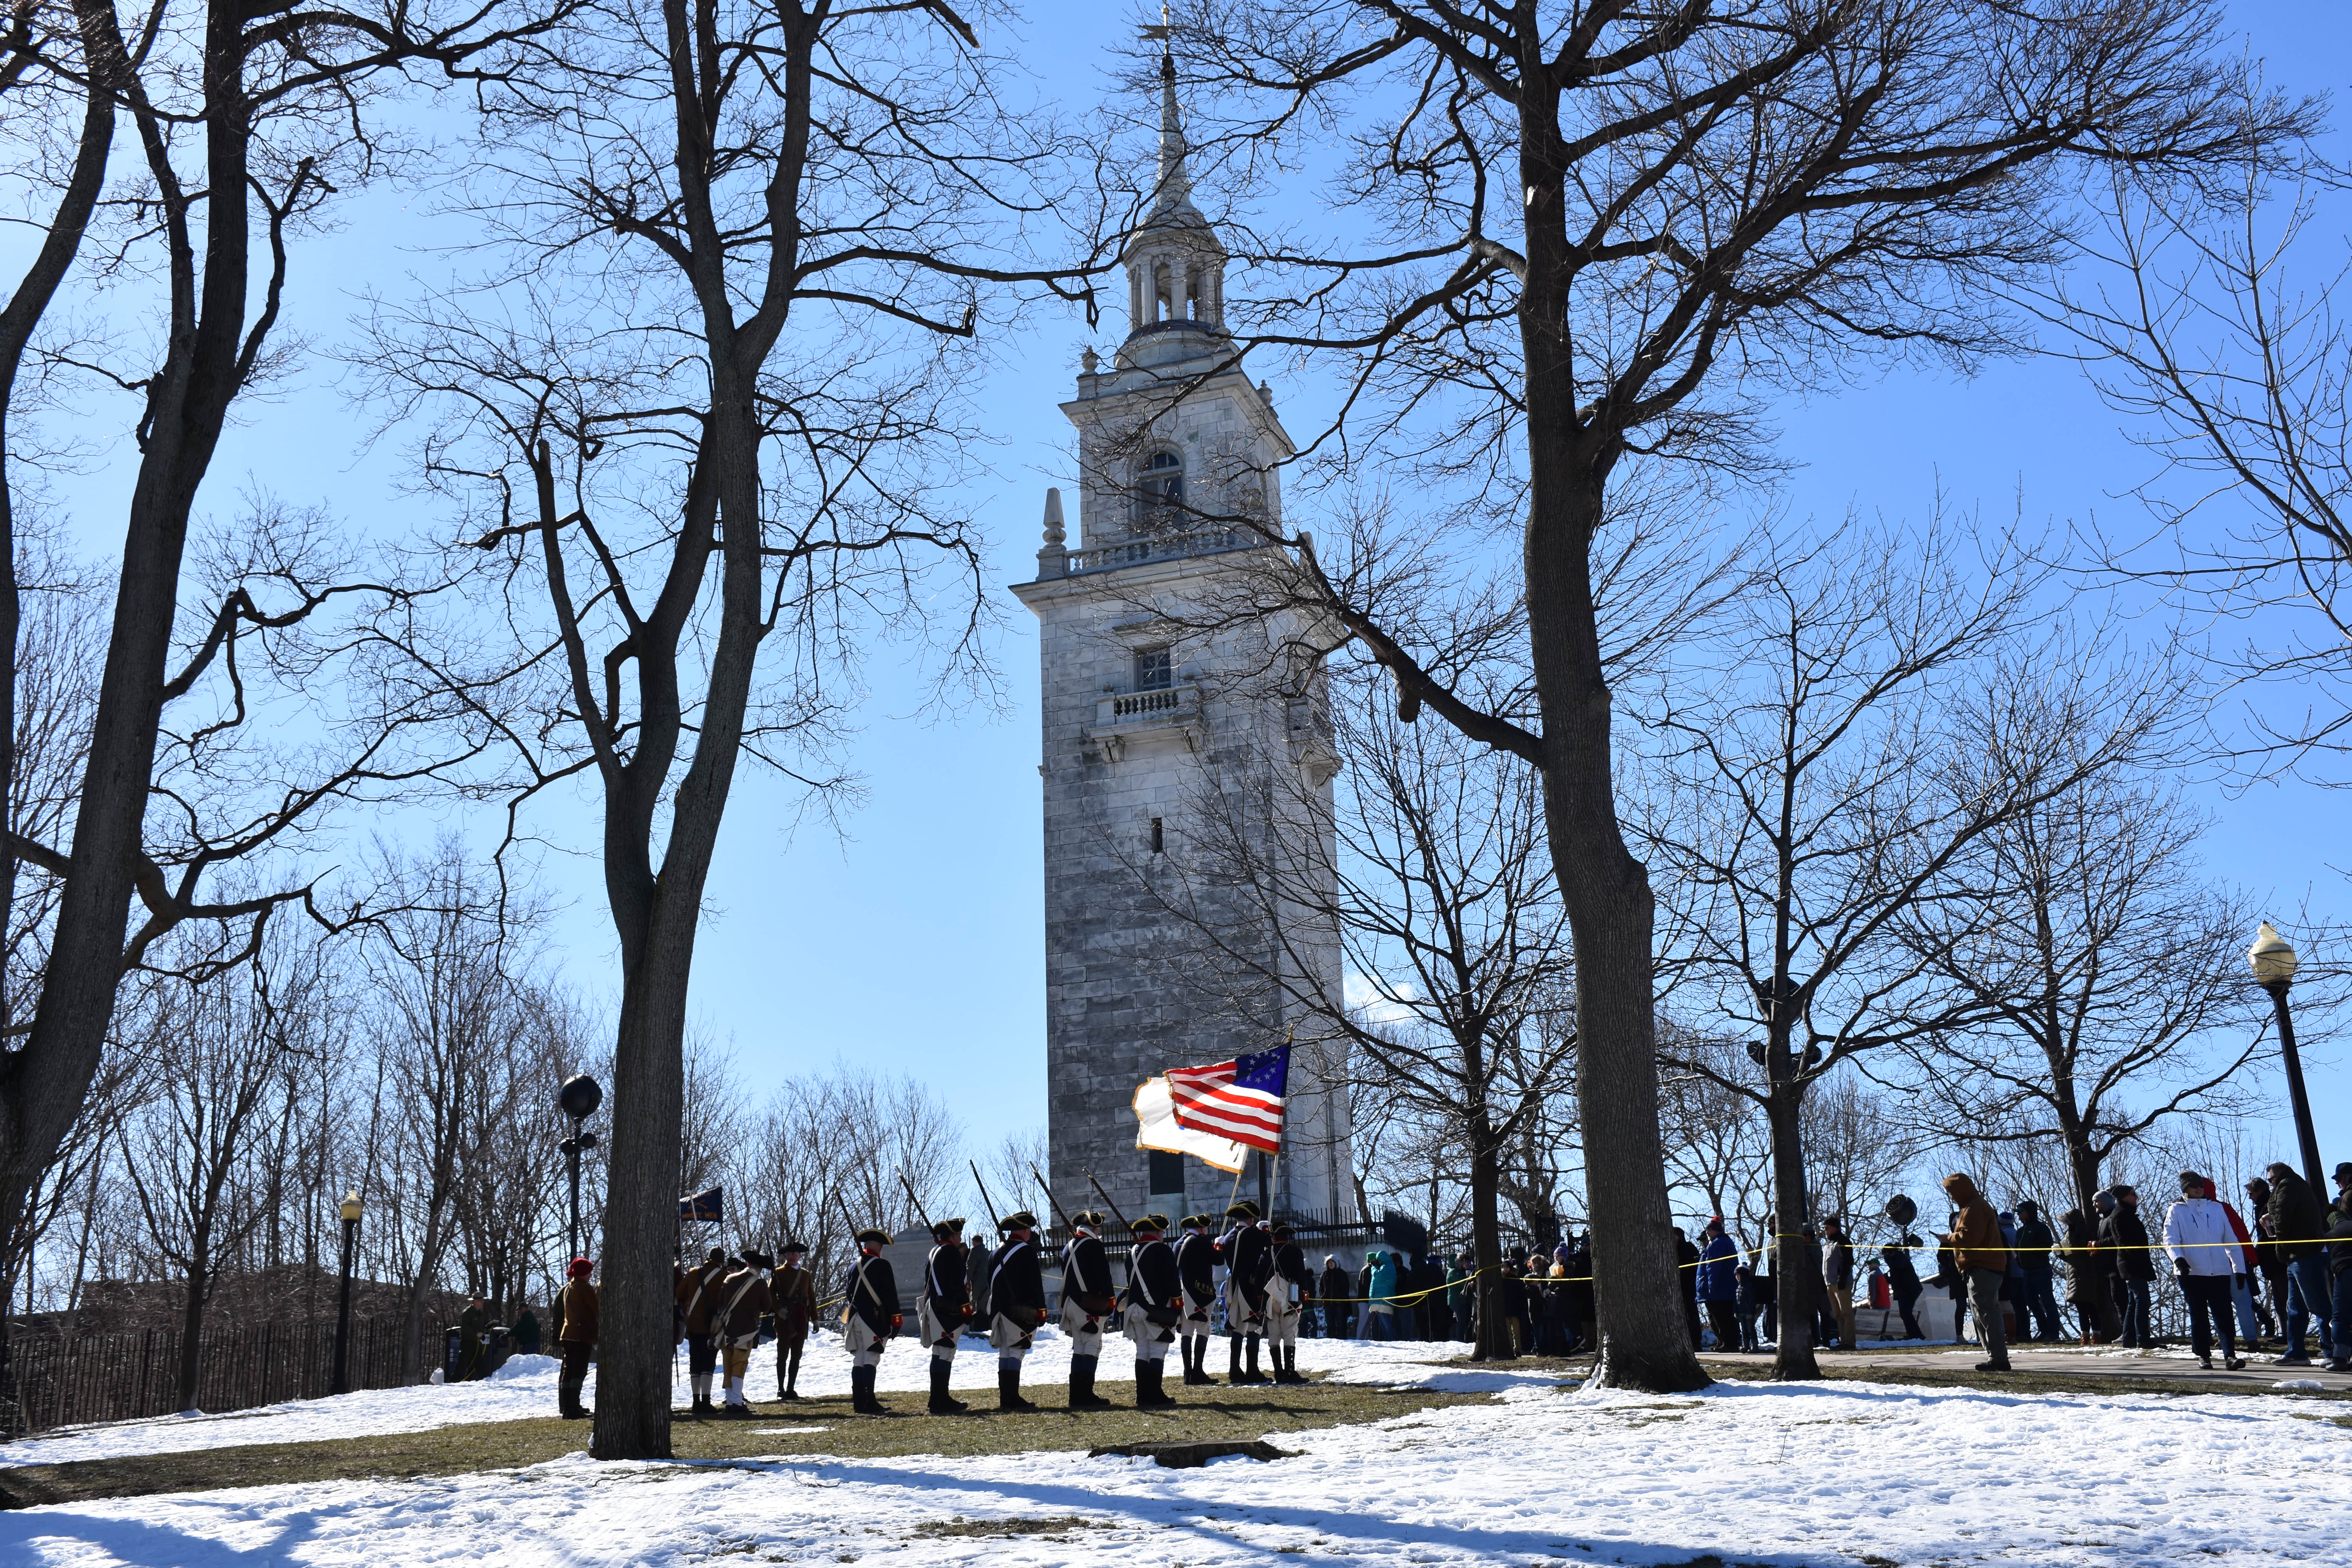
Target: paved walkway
[2171,1366]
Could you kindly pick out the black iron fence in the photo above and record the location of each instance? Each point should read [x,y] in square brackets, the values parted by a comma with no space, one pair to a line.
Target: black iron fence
[68,1380]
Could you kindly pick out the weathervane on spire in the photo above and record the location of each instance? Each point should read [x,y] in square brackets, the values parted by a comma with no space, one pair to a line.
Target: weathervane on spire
[1175,187]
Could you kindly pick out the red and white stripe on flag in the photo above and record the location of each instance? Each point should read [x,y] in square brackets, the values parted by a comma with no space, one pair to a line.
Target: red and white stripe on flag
[1241,1100]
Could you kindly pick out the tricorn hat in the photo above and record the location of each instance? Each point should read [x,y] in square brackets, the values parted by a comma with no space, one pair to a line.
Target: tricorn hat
[716,1255]
[1282,1233]
[874,1236]
[1019,1219]
[791,1246]
[946,1227]
[757,1259]
[1242,1210]
[1092,1218]
[1151,1222]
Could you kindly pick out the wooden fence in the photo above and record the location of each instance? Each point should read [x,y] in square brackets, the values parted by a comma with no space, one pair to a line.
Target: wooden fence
[64,1381]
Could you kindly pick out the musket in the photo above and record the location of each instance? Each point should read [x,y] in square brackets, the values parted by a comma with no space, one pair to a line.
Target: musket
[1110,1206]
[993,1217]
[916,1200]
[1053,1201]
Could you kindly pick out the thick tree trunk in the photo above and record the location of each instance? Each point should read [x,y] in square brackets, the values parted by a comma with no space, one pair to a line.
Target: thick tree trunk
[1645,1343]
[1796,1267]
[191,1327]
[1486,1248]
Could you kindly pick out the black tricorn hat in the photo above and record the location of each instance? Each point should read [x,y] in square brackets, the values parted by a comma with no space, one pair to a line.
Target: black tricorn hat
[791,1246]
[1090,1218]
[1151,1222]
[1019,1219]
[946,1227]
[1242,1210]
[874,1236]
[757,1259]
[716,1255]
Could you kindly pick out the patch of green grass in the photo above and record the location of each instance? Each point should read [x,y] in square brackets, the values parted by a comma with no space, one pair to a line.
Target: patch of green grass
[1009,1526]
[1202,1415]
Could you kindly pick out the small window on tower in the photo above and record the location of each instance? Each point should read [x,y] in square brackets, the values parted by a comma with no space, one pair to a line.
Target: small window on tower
[1154,671]
[1161,484]
[1159,847]
[1167,1174]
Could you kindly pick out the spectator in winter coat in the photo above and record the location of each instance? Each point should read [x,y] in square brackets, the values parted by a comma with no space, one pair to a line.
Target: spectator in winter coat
[1458,1288]
[1579,1293]
[526,1333]
[2270,1263]
[1902,1284]
[1718,1284]
[2085,1281]
[1750,1306]
[1837,1279]
[2125,1235]
[1979,1255]
[2297,1222]
[1380,1311]
[2339,1273]
[2206,1256]
[2033,1255]
[2242,1292]
[1954,1282]
[2012,1284]
[1334,1290]
[576,1333]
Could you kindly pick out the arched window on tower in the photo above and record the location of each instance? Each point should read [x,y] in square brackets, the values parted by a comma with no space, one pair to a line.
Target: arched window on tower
[1159,488]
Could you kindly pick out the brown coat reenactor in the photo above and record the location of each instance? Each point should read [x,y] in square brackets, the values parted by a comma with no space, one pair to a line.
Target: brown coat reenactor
[793,1290]
[575,1309]
[697,1302]
[744,1299]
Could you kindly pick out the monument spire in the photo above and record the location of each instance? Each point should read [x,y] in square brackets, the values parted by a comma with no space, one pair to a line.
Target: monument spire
[1175,187]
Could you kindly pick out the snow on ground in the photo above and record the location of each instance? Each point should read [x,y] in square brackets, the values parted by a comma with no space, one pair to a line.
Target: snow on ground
[1824,1475]
[525,1387]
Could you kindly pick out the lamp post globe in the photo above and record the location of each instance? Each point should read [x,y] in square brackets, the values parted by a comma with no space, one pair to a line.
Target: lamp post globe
[578,1099]
[349,1209]
[2273,961]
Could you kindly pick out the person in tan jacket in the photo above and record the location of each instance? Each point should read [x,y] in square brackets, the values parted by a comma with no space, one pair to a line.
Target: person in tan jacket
[1982,1259]
[742,1299]
[576,1308]
[698,1302]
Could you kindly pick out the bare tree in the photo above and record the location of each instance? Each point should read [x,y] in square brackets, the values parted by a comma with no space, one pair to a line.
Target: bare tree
[248,119]
[1436,886]
[2213,327]
[2102,965]
[1601,230]
[818,201]
[211,1057]
[1715,1138]
[1879,709]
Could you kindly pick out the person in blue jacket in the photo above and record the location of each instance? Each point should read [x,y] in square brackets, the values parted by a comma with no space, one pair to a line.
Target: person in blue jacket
[1718,1284]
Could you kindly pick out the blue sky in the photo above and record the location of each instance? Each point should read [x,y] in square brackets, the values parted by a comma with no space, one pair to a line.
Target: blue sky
[914,942]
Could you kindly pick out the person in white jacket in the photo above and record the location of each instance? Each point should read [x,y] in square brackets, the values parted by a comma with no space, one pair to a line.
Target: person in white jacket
[2206,1259]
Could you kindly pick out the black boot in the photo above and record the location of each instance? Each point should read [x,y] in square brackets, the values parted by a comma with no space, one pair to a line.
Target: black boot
[1250,1375]
[1234,1371]
[1196,1362]
[1008,1388]
[942,1404]
[861,1400]
[1285,1364]
[1151,1386]
[792,1377]
[1082,1385]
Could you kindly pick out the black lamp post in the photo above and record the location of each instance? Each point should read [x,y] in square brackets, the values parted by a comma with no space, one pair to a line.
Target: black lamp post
[2274,964]
[351,1212]
[578,1099]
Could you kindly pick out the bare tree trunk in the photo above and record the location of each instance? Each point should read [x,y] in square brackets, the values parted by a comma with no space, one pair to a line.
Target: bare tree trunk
[1486,1249]
[1796,1269]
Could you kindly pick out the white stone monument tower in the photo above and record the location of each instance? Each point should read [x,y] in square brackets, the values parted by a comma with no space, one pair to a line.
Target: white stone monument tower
[1153,694]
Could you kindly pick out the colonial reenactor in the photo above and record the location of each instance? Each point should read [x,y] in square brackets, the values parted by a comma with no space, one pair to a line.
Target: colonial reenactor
[1249,1268]
[1286,1304]
[869,1316]
[1016,1305]
[1088,1303]
[979,1253]
[944,1309]
[1196,1266]
[1155,1305]
[696,1302]
[794,1290]
[743,1296]
[576,1333]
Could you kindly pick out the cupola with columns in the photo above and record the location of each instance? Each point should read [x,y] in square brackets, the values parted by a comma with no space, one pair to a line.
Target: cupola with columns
[1175,263]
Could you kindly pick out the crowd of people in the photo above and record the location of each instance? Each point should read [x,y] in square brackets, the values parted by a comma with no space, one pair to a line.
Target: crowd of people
[2280,1275]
